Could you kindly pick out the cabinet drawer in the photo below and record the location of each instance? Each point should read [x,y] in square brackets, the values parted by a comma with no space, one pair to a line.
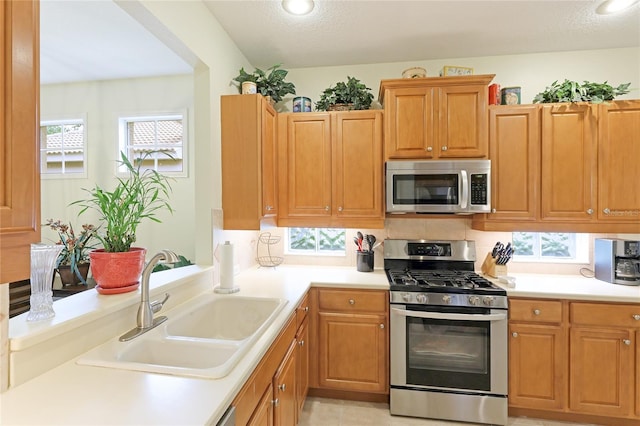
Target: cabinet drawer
[605,314]
[535,310]
[302,310]
[352,300]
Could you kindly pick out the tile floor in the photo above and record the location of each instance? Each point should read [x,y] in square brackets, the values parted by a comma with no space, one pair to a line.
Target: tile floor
[333,412]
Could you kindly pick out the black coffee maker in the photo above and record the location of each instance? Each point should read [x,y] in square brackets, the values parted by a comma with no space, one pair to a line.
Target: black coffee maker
[617,261]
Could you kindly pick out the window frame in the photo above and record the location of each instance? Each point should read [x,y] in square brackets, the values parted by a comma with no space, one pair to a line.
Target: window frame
[582,252]
[122,146]
[293,252]
[80,118]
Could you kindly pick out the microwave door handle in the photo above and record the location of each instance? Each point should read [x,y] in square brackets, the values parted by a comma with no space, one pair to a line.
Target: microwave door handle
[450,316]
[465,190]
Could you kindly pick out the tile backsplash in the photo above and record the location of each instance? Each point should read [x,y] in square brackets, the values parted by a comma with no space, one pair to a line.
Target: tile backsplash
[400,228]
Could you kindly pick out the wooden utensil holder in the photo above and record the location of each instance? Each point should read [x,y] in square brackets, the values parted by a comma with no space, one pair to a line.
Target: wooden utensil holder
[490,268]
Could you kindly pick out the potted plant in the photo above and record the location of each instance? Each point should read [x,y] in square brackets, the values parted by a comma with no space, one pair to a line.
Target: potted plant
[349,95]
[116,268]
[72,264]
[572,91]
[270,84]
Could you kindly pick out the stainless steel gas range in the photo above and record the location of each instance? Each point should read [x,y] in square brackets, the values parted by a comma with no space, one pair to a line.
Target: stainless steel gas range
[448,334]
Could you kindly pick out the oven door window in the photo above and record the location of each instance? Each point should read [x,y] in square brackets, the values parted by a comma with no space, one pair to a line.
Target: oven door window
[440,189]
[448,354]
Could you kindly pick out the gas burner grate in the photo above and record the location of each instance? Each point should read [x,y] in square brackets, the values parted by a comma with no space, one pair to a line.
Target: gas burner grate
[440,279]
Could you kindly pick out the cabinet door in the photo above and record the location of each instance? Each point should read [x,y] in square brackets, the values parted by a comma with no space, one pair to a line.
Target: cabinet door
[515,162]
[302,366]
[358,165]
[263,415]
[284,390]
[568,162]
[19,124]
[305,166]
[601,371]
[536,366]
[409,130]
[269,176]
[462,121]
[618,165]
[352,352]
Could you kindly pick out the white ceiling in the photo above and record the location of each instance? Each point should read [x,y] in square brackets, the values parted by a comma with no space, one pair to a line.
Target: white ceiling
[93,40]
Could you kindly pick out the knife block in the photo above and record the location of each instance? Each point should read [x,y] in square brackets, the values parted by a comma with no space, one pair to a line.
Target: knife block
[490,268]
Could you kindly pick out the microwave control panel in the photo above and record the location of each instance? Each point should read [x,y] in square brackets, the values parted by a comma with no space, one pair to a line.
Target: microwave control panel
[479,189]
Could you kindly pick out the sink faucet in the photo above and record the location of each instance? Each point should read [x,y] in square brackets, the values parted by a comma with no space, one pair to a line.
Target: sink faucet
[146,309]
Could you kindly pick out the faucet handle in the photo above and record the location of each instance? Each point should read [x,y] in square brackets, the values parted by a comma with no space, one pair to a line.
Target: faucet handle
[157,305]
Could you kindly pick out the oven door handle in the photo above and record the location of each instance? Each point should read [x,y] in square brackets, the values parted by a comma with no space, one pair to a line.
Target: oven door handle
[450,316]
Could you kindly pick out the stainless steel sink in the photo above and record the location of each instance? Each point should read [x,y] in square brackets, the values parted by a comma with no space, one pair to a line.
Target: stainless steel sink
[204,338]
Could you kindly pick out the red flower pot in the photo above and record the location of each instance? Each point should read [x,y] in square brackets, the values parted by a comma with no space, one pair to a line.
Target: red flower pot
[117,272]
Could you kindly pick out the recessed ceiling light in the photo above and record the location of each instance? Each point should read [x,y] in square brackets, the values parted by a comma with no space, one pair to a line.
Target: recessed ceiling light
[608,7]
[298,7]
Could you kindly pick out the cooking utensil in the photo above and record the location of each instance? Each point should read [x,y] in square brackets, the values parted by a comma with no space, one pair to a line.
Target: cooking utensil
[358,243]
[371,240]
[497,249]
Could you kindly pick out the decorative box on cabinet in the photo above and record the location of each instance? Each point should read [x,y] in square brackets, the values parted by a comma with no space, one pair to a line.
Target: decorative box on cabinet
[330,169]
[435,117]
[351,344]
[248,128]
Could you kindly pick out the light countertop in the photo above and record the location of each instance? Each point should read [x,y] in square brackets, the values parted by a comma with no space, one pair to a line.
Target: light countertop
[72,394]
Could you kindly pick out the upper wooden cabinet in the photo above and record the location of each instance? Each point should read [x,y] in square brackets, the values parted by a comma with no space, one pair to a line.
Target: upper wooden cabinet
[441,117]
[19,129]
[330,169]
[618,165]
[248,125]
[564,167]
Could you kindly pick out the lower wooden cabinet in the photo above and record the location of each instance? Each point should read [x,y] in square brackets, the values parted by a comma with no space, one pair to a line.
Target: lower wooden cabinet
[575,361]
[275,392]
[352,343]
[537,354]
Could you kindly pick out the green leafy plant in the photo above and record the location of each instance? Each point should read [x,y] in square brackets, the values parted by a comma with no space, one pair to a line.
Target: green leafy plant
[140,196]
[351,92]
[572,91]
[269,83]
[76,247]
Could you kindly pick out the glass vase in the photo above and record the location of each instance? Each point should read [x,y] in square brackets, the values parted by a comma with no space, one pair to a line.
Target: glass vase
[43,262]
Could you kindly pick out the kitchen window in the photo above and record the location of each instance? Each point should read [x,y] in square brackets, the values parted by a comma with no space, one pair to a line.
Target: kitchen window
[314,241]
[550,247]
[63,148]
[164,136]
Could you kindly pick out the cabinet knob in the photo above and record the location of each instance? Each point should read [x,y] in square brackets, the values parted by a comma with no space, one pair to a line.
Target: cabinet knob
[340,208]
[590,211]
[429,149]
[627,342]
[326,208]
[514,334]
[306,309]
[636,317]
[444,148]
[536,312]
[352,302]
[494,211]
[606,211]
[282,387]
[275,402]
[381,325]
[301,343]
[268,208]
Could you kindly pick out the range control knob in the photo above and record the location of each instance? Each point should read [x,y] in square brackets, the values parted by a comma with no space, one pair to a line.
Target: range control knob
[406,297]
[446,299]
[474,300]
[488,300]
[421,298]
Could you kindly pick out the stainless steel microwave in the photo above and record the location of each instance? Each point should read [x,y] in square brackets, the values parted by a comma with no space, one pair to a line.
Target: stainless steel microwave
[438,186]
